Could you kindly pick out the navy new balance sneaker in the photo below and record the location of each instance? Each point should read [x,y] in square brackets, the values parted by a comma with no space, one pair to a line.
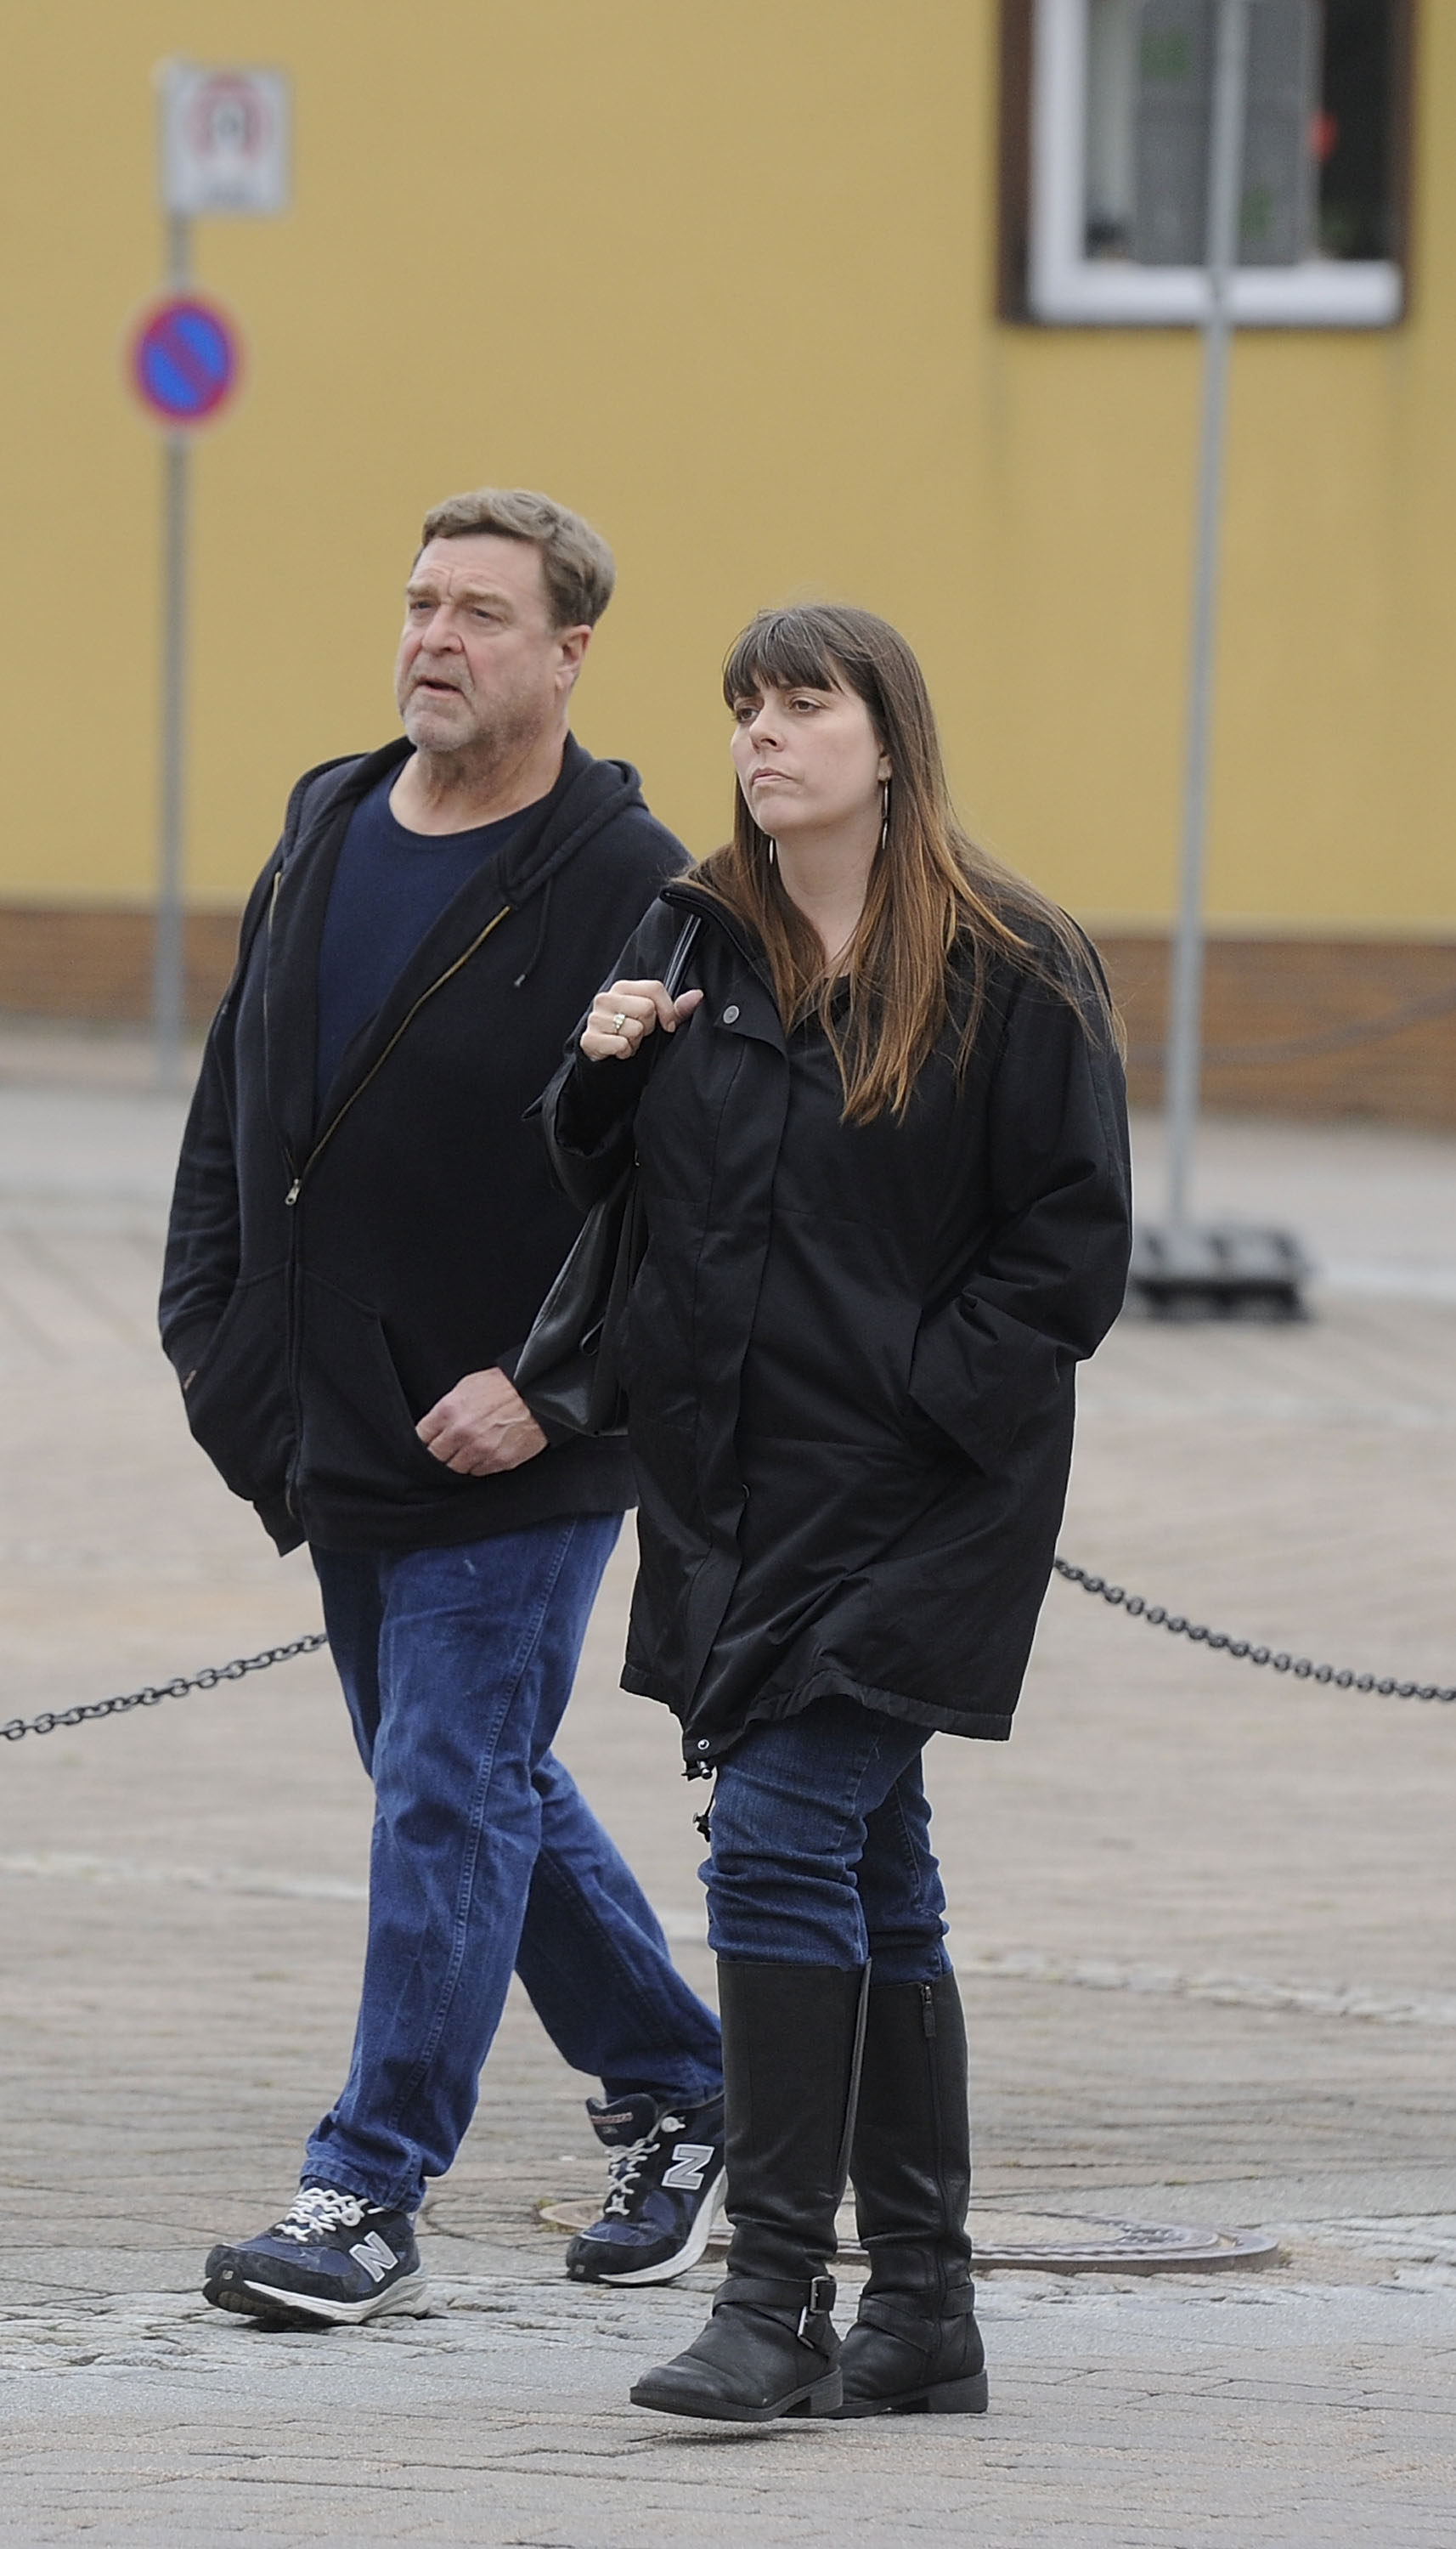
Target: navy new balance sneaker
[333,2259]
[666,2185]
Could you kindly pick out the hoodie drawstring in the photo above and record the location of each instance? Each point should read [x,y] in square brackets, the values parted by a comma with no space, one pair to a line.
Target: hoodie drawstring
[534,959]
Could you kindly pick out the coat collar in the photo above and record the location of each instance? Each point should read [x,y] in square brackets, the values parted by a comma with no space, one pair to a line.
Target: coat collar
[754,1005]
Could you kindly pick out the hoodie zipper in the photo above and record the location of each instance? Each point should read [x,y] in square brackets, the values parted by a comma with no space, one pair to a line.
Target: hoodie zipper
[408,1020]
[300,1171]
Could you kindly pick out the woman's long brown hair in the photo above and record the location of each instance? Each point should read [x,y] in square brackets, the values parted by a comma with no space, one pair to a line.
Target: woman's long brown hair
[931,888]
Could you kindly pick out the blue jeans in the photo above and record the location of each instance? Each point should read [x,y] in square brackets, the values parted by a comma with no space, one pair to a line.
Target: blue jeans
[821,1849]
[457,1664]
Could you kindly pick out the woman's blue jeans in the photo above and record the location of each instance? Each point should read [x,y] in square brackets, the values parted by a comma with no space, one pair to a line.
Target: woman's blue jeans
[457,1664]
[821,1854]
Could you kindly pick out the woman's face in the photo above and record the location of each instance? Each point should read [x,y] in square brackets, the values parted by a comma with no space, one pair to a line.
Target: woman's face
[807,760]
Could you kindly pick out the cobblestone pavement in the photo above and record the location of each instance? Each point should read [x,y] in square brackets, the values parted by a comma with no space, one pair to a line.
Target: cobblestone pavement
[1204,1920]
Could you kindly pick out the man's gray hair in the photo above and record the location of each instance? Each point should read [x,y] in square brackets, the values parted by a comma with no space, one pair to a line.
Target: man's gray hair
[575,563]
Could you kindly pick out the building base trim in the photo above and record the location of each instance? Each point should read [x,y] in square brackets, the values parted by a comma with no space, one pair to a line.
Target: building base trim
[1321,1026]
[92,962]
[1301,1026]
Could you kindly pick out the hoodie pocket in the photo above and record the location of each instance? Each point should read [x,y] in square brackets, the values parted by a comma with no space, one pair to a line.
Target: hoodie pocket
[238,1405]
[358,1425]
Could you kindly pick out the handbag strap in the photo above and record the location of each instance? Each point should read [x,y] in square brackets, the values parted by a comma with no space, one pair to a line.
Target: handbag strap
[676,965]
[672,973]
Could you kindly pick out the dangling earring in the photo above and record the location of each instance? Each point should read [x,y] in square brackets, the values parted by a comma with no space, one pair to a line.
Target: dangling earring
[884,821]
[772,852]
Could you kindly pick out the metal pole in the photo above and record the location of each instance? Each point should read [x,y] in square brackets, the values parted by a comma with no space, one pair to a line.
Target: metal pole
[169,953]
[1185,988]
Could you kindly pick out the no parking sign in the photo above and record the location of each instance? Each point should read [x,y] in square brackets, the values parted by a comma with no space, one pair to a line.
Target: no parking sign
[185,360]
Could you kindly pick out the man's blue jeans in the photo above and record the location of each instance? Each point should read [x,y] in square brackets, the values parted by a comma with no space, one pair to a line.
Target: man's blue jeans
[457,1664]
[821,1849]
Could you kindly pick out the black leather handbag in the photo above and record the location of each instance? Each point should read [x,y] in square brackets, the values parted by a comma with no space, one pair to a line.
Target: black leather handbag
[568,1370]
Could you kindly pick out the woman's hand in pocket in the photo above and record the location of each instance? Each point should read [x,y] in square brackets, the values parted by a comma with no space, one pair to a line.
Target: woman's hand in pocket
[624,1016]
[480,1427]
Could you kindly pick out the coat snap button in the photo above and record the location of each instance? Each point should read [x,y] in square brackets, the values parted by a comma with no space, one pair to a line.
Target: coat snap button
[729,1014]
[702,1744]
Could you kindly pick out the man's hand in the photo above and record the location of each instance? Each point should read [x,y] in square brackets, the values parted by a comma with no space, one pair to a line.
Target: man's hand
[480,1427]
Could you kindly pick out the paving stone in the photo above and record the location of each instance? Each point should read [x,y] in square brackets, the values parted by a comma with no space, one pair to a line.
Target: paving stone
[1204,1919]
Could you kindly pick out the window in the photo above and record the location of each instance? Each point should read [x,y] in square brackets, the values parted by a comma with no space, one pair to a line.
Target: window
[1106,116]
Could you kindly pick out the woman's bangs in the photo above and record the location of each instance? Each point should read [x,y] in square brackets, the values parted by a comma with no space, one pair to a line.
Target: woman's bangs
[784,650]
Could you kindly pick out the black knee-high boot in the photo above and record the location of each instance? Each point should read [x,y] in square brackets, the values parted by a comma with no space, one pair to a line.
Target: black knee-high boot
[915,2344]
[791,2054]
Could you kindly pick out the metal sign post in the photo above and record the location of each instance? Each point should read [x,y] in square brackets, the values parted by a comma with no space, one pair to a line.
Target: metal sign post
[1227,1270]
[225,144]
[1185,1003]
[169,937]
[184,367]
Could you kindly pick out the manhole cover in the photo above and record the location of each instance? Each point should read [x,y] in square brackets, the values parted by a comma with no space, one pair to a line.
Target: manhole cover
[1047,2243]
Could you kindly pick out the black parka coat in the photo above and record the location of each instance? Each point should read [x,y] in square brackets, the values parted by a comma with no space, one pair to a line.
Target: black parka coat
[849,1351]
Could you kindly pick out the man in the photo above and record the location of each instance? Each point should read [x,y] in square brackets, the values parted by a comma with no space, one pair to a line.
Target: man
[362,1231]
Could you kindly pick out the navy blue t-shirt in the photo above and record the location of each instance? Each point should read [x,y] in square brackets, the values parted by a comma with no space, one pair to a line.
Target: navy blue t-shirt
[389,889]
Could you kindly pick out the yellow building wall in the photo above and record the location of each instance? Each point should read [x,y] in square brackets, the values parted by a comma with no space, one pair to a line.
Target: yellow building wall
[723,279]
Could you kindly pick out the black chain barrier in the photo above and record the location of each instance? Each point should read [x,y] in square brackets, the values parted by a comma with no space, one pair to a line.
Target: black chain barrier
[1245,1648]
[1135,1605]
[151,1692]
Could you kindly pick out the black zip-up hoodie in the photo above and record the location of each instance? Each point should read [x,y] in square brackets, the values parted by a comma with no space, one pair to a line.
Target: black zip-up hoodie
[331,1270]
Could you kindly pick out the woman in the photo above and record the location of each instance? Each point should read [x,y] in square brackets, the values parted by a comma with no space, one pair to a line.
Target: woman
[883,1156]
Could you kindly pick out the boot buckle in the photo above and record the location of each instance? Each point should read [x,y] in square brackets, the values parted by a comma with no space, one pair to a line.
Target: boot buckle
[822,2293]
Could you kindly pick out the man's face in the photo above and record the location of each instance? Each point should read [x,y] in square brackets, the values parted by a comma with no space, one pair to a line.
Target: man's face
[479,661]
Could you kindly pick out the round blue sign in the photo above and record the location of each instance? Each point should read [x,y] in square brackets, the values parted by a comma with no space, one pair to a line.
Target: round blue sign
[185,360]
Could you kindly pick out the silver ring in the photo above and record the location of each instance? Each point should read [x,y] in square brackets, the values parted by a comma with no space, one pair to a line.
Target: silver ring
[620,1021]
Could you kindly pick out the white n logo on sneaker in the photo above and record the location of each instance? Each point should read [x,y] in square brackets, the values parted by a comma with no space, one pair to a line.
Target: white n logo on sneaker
[690,2159]
[374,2256]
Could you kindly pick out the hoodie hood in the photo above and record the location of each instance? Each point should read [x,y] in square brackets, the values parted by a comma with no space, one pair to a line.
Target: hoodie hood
[588,796]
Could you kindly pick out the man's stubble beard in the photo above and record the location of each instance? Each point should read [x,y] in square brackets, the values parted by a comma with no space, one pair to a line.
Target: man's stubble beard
[503,735]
